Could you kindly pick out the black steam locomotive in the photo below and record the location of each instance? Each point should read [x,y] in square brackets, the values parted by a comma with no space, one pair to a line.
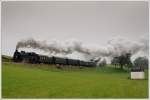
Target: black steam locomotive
[31,57]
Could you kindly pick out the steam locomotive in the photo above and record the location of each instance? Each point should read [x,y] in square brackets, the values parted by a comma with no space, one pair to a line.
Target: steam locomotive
[32,57]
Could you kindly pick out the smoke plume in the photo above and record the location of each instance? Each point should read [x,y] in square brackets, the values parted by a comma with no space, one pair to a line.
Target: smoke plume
[115,47]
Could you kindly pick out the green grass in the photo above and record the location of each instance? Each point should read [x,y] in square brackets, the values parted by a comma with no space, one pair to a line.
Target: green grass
[45,81]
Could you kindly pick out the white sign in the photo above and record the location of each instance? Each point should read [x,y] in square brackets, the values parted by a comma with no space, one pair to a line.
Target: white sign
[137,75]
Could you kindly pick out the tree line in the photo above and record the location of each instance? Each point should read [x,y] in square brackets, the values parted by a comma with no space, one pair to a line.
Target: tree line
[125,61]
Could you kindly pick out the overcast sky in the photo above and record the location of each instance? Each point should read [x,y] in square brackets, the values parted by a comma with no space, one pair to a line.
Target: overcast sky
[91,22]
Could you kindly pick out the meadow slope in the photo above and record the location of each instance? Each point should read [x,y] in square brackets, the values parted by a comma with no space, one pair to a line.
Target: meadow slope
[46,81]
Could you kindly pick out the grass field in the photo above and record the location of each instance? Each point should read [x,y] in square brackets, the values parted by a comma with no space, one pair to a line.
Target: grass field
[45,81]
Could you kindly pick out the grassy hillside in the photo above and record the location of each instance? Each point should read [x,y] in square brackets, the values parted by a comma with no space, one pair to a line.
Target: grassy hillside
[6,58]
[45,81]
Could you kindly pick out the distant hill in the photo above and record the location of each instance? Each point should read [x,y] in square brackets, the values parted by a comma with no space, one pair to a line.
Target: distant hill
[6,58]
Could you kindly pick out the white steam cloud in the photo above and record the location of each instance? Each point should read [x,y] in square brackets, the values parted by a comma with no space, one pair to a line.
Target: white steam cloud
[116,47]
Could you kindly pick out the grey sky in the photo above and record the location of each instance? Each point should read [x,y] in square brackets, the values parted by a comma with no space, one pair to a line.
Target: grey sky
[90,22]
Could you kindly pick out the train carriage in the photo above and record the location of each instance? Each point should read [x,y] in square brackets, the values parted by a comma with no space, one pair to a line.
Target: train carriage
[73,62]
[31,57]
[91,64]
[60,61]
[82,63]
